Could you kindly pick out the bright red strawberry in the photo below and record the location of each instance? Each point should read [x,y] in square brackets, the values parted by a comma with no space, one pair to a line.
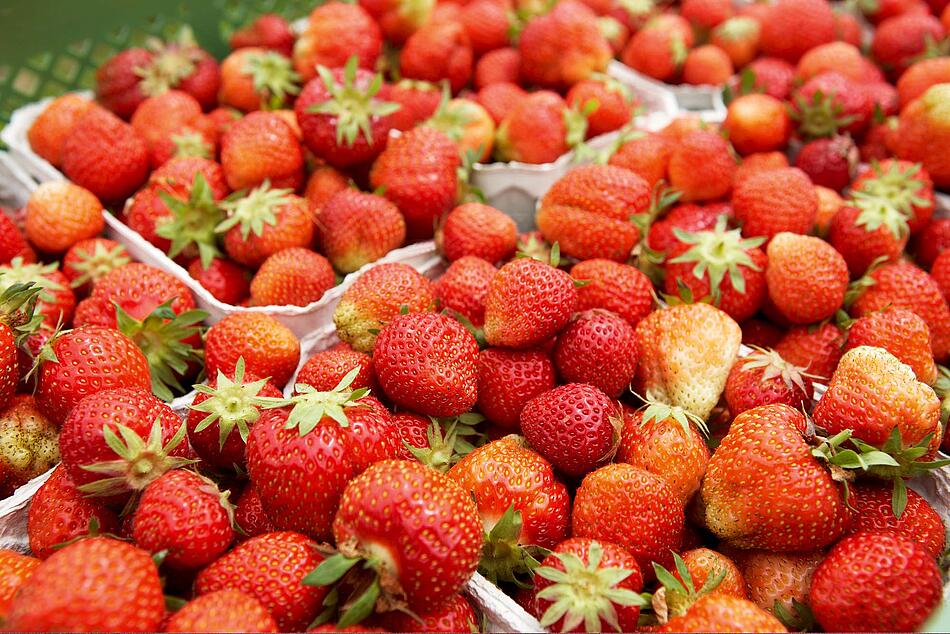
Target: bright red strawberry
[536,128]
[807,278]
[575,426]
[902,572]
[264,222]
[765,378]
[269,31]
[500,98]
[563,47]
[632,508]
[269,348]
[440,50]
[294,277]
[661,439]
[418,100]
[900,332]
[792,27]
[508,379]
[249,515]
[16,569]
[598,348]
[528,303]
[226,281]
[88,261]
[359,228]
[619,288]
[901,40]
[915,81]
[686,218]
[60,513]
[103,154]
[788,500]
[335,32]
[479,230]
[76,588]
[487,23]
[830,103]
[769,202]
[772,76]
[13,242]
[658,52]
[375,298]
[721,611]
[919,522]
[867,229]
[220,611]
[222,413]
[464,286]
[52,126]
[269,568]
[324,370]
[906,185]
[261,147]
[187,516]
[454,615]
[398,19]
[444,358]
[829,162]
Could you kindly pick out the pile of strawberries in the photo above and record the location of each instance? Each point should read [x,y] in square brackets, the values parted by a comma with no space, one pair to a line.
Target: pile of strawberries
[692,400]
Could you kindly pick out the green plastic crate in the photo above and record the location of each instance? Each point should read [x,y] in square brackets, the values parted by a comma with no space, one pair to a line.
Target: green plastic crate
[48,47]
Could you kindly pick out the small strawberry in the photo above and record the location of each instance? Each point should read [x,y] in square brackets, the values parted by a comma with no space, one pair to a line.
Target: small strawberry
[474,229]
[221,611]
[900,332]
[249,515]
[263,222]
[292,277]
[563,47]
[647,155]
[60,214]
[269,31]
[598,348]
[537,128]
[830,103]
[88,261]
[757,123]
[868,229]
[269,348]
[775,77]
[778,582]
[658,51]
[487,23]
[165,120]
[918,77]
[703,153]
[463,288]
[707,65]
[873,504]
[261,147]
[51,128]
[500,98]
[922,127]
[358,228]
[817,349]
[55,301]
[12,241]
[612,286]
[738,36]
[508,380]
[765,378]
[324,370]
[829,162]
[438,51]
[454,615]
[769,202]
[807,278]
[226,281]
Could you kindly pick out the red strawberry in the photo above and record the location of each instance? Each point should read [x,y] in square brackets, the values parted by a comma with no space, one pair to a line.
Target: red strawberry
[658,52]
[359,228]
[454,615]
[919,522]
[765,378]
[619,288]
[55,301]
[104,154]
[264,222]
[900,40]
[268,30]
[261,146]
[487,24]
[563,47]
[769,202]
[501,98]
[706,153]
[792,27]
[807,278]
[699,573]
[600,349]
[782,578]
[269,568]
[88,261]
[444,358]
[50,129]
[738,36]
[646,155]
[575,426]
[400,169]
[941,274]
[438,51]
[324,370]
[885,564]
[75,589]
[632,508]
[464,286]
[686,218]
[59,513]
[502,65]
[221,611]
[528,302]
[249,515]
[226,281]
[336,32]
[829,103]
[907,186]
[508,379]
[255,78]
[13,242]
[479,230]
[168,122]
[269,348]
[829,162]
[817,349]
[770,75]
[16,569]
[868,229]
[418,100]
[536,128]
[187,516]
[294,276]
[764,489]
[900,332]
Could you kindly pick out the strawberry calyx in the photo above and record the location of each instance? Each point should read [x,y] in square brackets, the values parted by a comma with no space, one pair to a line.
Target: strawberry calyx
[859,286]
[273,76]
[877,211]
[254,210]
[17,307]
[309,406]
[575,122]
[679,592]
[172,62]
[93,266]
[20,272]
[678,50]
[738,28]
[210,487]
[900,187]
[193,222]
[821,116]
[140,462]
[655,410]
[448,441]
[718,252]
[504,558]
[534,247]
[191,143]
[774,366]
[585,593]
[231,404]
[449,118]
[352,107]
[163,338]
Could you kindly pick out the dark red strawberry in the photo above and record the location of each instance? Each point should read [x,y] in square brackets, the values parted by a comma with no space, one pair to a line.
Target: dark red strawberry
[600,349]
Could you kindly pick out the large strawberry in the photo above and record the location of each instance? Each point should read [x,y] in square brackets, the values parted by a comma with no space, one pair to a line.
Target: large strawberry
[769,202]
[220,611]
[335,33]
[52,126]
[686,353]
[358,228]
[764,489]
[418,172]
[479,230]
[600,349]
[270,568]
[260,147]
[427,363]
[270,349]
[718,612]
[508,379]
[873,505]
[620,288]
[701,166]
[325,369]
[439,51]
[415,552]
[792,27]
[254,78]
[829,103]
[76,589]
[807,278]
[454,615]
[563,47]
[263,222]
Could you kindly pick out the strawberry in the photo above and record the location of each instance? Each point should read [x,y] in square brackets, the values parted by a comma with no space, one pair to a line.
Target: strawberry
[375,298]
[343,116]
[55,302]
[269,348]
[707,65]
[359,228]
[336,31]
[719,612]
[323,183]
[324,370]
[575,426]
[400,169]
[632,508]
[903,285]
[537,128]
[520,501]
[508,380]
[501,98]
[594,341]
[765,378]
[18,323]
[777,581]
[888,565]
[706,14]
[187,516]
[829,203]
[229,401]
[830,103]
[773,76]
[941,274]
[88,261]
[769,202]
[738,36]
[226,281]
[793,27]
[563,47]
[647,155]
[30,441]
[164,122]
[702,260]
[619,288]
[253,78]
[103,154]
[418,100]
[807,278]
[816,349]
[704,566]
[903,184]
[438,51]
[868,229]
[60,214]
[837,56]
[293,276]
[221,611]
[16,569]
[269,568]
[900,332]
[687,218]
[487,24]
[263,222]
[501,65]
[13,242]
[76,589]
[657,52]
[588,212]
[454,615]
[261,147]
[587,581]
[661,440]
[474,229]
[528,302]
[829,162]
[923,126]
[249,515]
[269,31]
[918,77]
[615,104]
[757,123]
[467,124]
[764,489]
[444,356]
[703,153]
[919,522]
[679,364]
[381,516]
[86,361]
[902,39]
[48,133]
[398,19]
[463,288]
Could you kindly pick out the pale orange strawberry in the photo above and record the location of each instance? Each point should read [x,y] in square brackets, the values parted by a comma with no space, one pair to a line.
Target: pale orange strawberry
[900,332]
[52,126]
[357,228]
[292,277]
[777,580]
[738,37]
[807,278]
[60,214]
[757,123]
